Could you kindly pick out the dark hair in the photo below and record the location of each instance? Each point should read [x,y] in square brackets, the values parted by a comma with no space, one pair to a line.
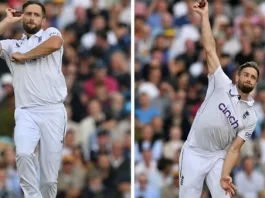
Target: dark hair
[102,34]
[34,2]
[251,64]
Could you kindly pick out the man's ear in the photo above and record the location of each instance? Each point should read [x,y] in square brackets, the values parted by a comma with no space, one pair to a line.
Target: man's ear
[237,78]
[43,21]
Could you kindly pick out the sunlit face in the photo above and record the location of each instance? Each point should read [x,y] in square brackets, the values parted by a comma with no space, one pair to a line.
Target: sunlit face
[33,19]
[247,80]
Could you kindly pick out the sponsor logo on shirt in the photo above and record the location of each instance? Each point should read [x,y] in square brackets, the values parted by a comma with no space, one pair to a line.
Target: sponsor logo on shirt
[232,120]
[248,135]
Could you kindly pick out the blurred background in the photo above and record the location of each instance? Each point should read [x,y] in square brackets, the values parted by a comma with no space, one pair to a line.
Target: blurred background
[96,65]
[171,83]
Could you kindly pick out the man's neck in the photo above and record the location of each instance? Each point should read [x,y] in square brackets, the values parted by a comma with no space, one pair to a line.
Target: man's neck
[243,96]
[28,35]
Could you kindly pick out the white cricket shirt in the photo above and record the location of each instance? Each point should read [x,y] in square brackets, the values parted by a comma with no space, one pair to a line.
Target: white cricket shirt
[37,82]
[222,116]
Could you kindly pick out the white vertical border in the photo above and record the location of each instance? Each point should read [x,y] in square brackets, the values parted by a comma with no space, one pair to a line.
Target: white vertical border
[132,96]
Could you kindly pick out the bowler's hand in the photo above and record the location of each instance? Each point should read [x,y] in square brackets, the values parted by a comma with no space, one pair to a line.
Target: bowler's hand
[228,186]
[18,57]
[10,16]
[201,7]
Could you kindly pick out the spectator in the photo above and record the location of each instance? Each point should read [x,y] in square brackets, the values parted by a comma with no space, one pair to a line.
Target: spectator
[4,190]
[174,143]
[13,179]
[123,186]
[172,190]
[70,176]
[148,142]
[7,106]
[119,163]
[143,189]
[100,78]
[260,149]
[145,113]
[106,170]
[102,146]
[249,181]
[95,187]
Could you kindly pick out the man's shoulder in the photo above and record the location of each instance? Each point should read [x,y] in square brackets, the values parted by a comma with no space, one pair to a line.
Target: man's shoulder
[254,116]
[51,31]
[11,40]
[250,118]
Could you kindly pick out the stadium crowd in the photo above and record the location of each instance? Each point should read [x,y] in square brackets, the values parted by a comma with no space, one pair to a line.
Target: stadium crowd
[171,83]
[96,65]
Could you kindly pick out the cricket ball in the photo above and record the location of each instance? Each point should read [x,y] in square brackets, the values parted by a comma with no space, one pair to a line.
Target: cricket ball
[17,14]
[202,4]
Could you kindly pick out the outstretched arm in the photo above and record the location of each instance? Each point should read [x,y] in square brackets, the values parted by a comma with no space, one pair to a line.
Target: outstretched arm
[208,41]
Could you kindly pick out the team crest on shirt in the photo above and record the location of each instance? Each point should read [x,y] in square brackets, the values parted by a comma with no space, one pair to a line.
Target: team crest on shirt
[245,115]
[40,39]
[19,43]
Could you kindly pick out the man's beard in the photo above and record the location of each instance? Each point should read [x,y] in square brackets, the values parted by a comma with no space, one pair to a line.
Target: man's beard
[244,89]
[32,30]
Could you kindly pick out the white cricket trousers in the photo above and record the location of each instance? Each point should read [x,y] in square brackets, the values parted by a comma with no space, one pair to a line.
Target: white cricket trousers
[196,166]
[43,125]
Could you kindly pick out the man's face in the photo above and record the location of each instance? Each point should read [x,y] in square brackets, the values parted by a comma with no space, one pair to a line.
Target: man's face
[33,19]
[247,80]
[249,165]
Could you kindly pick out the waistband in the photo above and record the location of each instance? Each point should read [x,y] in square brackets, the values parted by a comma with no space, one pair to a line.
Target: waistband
[204,152]
[44,106]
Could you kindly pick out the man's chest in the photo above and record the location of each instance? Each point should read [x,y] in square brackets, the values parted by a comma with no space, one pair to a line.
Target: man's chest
[26,45]
[225,109]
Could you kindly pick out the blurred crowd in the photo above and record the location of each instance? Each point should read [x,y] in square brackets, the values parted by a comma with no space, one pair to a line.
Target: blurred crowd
[96,65]
[171,83]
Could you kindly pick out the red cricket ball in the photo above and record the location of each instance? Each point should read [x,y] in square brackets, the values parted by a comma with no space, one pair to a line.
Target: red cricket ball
[202,4]
[17,14]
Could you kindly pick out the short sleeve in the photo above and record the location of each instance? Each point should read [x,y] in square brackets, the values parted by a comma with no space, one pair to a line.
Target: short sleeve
[53,32]
[6,47]
[217,80]
[246,133]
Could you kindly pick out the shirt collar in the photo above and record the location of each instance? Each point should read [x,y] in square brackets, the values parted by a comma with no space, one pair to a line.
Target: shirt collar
[38,34]
[234,92]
